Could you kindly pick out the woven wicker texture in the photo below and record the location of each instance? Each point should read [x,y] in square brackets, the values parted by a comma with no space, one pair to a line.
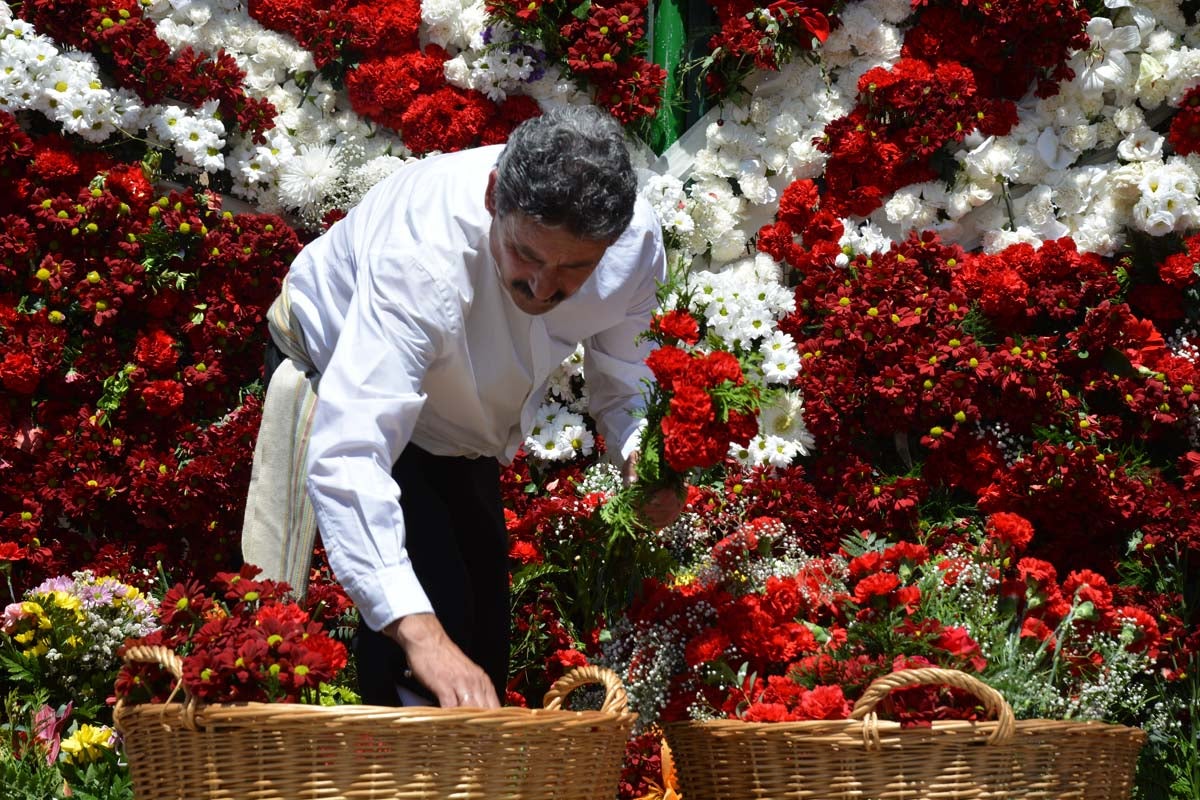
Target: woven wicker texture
[866,759]
[276,751]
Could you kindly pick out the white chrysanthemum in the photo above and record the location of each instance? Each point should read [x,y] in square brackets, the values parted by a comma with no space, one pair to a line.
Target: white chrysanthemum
[755,322]
[310,175]
[785,418]
[866,238]
[781,360]
[198,140]
[549,422]
[779,452]
[544,445]
[576,441]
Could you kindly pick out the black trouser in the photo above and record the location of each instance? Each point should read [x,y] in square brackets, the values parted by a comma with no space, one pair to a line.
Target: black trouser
[457,540]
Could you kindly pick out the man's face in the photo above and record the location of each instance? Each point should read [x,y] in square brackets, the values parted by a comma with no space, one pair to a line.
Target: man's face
[540,266]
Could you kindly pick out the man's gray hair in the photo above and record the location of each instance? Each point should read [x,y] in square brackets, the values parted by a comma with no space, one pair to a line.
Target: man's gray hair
[569,169]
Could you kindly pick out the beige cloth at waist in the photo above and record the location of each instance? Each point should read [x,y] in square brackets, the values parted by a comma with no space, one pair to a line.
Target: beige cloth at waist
[279,528]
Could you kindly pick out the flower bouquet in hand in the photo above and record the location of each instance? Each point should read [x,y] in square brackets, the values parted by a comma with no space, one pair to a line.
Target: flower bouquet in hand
[714,337]
[244,642]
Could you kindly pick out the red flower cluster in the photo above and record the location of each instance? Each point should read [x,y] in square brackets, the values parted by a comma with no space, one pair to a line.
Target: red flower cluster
[801,646]
[130,326]
[762,37]
[699,426]
[1184,135]
[600,48]
[130,49]
[388,77]
[963,66]
[246,643]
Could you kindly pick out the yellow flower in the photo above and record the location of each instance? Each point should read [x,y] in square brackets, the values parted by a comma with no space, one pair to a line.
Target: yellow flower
[66,601]
[31,609]
[38,650]
[87,743]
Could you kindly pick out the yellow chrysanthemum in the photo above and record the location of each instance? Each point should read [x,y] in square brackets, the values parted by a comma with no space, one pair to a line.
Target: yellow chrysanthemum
[66,601]
[87,743]
[30,607]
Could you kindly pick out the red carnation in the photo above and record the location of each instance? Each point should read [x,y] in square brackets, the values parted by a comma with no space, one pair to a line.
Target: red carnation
[668,364]
[163,397]
[1010,532]
[710,645]
[824,702]
[678,325]
[18,374]
[881,584]
[156,351]
[692,403]
[720,366]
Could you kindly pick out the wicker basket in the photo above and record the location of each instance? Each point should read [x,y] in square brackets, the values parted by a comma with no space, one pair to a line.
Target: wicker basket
[281,751]
[866,759]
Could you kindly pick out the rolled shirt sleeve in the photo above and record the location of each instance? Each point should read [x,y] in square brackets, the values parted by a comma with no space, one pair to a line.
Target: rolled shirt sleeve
[369,400]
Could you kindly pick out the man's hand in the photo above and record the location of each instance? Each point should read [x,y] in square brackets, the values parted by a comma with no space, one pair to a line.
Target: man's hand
[438,663]
[662,507]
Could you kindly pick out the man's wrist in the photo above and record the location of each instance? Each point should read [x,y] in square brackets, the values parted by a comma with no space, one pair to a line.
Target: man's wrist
[413,629]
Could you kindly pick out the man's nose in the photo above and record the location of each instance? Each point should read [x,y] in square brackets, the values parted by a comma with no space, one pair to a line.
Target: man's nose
[542,283]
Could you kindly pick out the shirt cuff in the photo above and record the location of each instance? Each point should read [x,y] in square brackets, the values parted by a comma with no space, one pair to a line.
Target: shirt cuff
[633,441]
[397,594]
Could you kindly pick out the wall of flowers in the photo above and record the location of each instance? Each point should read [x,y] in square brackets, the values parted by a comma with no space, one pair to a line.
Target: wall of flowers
[946,252]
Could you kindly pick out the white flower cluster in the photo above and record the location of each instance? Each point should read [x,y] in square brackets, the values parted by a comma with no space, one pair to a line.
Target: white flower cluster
[560,431]
[702,216]
[559,434]
[742,305]
[68,88]
[496,63]
[319,155]
[566,383]
[453,24]
[1086,162]
[753,151]
[782,434]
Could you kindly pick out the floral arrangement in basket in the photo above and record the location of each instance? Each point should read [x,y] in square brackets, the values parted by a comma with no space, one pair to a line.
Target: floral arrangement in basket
[243,641]
[764,632]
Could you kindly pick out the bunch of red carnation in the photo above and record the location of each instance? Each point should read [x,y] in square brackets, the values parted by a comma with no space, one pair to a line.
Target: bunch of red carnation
[242,642]
[601,46]
[374,47]
[705,413]
[762,38]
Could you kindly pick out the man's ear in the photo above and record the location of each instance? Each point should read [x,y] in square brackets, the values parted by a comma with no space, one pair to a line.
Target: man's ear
[489,198]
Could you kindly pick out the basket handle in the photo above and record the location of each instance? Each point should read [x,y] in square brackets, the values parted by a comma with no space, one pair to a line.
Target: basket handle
[615,700]
[993,701]
[169,660]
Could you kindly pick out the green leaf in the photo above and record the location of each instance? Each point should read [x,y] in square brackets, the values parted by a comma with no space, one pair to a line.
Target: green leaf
[581,11]
[532,572]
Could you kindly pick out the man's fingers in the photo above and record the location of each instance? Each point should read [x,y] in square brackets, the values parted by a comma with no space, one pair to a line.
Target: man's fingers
[453,678]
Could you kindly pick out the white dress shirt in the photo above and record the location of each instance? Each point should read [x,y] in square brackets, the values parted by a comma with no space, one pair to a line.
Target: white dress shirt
[417,340]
